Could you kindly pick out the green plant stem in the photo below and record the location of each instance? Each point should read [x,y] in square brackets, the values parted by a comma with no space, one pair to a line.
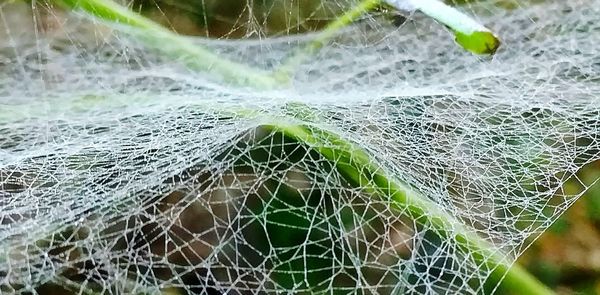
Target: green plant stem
[353,163]
[468,33]
[359,169]
[472,37]
[324,36]
[157,37]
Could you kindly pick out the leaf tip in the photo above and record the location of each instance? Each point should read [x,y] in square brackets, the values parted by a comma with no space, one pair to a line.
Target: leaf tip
[479,42]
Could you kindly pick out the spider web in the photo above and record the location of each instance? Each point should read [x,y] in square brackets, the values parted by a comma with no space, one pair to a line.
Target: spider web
[123,171]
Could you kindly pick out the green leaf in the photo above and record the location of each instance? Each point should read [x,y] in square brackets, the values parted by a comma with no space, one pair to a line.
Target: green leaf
[469,34]
[478,42]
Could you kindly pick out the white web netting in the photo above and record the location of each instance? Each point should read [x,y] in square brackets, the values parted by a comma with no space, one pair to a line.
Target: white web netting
[124,171]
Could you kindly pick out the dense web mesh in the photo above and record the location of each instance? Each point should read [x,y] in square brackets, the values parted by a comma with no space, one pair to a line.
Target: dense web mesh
[124,171]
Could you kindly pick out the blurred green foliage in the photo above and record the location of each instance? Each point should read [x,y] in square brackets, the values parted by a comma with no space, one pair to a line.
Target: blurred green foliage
[567,256]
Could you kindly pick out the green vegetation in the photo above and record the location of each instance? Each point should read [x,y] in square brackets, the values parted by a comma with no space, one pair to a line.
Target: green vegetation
[472,37]
[353,163]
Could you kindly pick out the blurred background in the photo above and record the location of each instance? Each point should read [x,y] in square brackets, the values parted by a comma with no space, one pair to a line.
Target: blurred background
[566,257]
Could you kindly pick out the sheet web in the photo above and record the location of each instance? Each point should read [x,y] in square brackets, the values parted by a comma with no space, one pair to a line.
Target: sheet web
[124,171]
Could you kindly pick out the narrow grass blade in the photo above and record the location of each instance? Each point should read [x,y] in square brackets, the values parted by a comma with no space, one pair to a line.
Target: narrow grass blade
[324,36]
[469,34]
